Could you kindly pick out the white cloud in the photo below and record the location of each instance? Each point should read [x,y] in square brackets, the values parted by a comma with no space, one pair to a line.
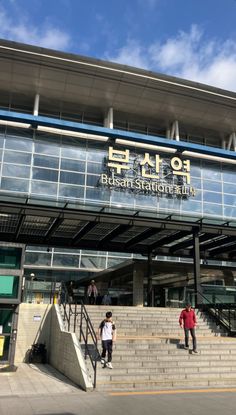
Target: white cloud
[132,54]
[23,31]
[188,55]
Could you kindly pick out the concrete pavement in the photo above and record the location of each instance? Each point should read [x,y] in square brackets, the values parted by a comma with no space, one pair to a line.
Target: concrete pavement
[40,390]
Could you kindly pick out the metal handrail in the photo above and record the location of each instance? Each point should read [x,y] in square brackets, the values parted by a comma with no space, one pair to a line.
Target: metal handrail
[224,314]
[85,333]
[94,354]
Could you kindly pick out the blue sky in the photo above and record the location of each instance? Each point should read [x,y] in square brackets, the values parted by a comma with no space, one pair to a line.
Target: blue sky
[192,39]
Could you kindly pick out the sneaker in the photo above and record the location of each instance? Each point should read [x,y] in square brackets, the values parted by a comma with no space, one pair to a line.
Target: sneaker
[103,362]
[195,351]
[109,365]
[186,347]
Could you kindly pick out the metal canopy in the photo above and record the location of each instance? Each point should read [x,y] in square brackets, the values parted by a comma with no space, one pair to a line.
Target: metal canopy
[94,227]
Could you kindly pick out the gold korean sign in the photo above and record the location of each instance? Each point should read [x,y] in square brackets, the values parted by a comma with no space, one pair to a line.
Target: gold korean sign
[147,173]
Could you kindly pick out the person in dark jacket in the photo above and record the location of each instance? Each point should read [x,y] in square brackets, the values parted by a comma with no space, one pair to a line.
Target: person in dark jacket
[188,321]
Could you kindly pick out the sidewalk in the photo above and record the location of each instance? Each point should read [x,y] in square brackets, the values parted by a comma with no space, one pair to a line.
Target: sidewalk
[41,390]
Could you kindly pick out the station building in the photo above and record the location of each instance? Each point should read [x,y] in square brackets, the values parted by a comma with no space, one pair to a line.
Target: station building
[114,173]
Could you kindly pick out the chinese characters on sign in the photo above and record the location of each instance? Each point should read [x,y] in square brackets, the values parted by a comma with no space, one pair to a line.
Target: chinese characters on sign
[148,173]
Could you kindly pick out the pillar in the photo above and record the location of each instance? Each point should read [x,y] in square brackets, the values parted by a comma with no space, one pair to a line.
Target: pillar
[138,276]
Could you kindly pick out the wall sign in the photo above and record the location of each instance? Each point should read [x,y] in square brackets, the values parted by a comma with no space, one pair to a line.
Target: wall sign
[147,173]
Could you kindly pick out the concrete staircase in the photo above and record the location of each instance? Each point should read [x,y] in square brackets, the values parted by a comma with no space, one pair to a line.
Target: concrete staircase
[149,352]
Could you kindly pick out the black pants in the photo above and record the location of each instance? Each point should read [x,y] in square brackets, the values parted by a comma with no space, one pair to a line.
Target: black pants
[107,347]
[192,331]
[92,299]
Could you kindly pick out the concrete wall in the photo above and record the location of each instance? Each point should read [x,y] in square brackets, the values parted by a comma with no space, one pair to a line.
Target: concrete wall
[65,352]
[34,324]
[42,323]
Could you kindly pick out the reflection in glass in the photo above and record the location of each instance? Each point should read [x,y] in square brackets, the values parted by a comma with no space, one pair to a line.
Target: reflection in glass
[16,171]
[43,188]
[93,262]
[46,161]
[60,260]
[212,197]
[44,174]
[37,258]
[16,157]
[19,144]
[73,165]
[16,185]
[72,178]
[71,191]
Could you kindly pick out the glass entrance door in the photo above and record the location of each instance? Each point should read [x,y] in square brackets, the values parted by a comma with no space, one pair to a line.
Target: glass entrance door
[6,330]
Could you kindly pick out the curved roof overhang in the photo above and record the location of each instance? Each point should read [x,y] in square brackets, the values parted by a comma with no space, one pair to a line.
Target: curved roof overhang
[65,78]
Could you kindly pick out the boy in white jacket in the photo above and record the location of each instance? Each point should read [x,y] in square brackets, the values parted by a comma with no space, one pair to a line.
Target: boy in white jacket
[107,333]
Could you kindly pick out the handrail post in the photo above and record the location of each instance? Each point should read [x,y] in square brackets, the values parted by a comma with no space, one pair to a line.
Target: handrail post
[81,322]
[75,316]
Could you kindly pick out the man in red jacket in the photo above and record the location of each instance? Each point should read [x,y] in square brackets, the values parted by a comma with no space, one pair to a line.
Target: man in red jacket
[188,321]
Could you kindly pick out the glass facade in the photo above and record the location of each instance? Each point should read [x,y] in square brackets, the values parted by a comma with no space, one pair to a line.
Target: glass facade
[69,169]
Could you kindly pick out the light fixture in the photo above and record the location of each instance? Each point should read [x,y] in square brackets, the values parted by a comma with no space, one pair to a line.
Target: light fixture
[209,157]
[15,124]
[144,145]
[70,133]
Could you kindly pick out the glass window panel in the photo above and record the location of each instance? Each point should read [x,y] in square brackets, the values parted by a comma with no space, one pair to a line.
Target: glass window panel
[212,197]
[45,161]
[1,141]
[44,174]
[191,206]
[72,178]
[229,188]
[18,144]
[211,171]
[230,200]
[46,148]
[211,185]
[43,188]
[17,185]
[97,194]
[16,157]
[97,155]
[73,165]
[92,180]
[92,262]
[37,248]
[212,209]
[16,171]
[71,191]
[9,286]
[70,251]
[37,258]
[10,257]
[146,200]
[74,152]
[6,318]
[230,212]
[95,168]
[229,176]
[197,183]
[61,260]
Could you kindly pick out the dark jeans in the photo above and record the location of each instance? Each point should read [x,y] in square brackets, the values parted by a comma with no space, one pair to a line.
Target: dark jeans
[107,347]
[192,331]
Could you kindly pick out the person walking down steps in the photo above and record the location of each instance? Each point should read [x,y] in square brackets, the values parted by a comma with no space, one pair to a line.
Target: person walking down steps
[188,321]
[107,334]
[92,292]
